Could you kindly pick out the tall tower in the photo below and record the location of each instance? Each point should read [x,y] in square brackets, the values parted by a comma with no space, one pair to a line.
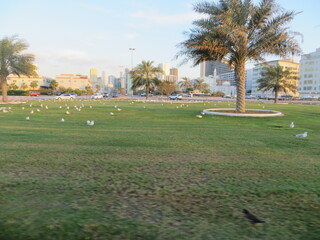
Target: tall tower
[165,67]
[93,75]
[174,74]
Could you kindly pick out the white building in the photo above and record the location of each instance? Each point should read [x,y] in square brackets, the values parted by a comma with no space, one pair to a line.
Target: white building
[22,80]
[165,67]
[309,84]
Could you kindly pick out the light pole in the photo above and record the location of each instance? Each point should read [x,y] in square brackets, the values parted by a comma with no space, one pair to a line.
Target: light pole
[132,49]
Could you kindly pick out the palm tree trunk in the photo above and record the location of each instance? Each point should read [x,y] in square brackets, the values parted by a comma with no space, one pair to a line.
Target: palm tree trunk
[276,97]
[4,89]
[240,74]
[147,92]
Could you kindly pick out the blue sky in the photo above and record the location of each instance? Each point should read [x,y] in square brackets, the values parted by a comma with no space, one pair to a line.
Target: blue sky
[72,36]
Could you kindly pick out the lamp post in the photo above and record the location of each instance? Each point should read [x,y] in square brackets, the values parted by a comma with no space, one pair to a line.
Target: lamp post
[132,49]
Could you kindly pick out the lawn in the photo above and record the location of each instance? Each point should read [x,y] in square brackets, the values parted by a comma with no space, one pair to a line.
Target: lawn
[155,171]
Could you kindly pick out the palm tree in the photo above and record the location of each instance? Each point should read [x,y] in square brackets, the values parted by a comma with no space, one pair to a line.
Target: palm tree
[237,31]
[24,86]
[185,83]
[145,75]
[277,79]
[12,61]
[54,84]
[200,85]
[33,84]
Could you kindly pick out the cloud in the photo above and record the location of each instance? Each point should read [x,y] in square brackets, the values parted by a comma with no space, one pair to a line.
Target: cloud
[157,18]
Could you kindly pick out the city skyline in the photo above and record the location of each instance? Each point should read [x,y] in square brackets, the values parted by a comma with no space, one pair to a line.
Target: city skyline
[75,36]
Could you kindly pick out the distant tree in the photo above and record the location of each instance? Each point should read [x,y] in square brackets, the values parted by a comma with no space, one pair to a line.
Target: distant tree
[34,84]
[167,87]
[186,84]
[24,86]
[13,86]
[89,90]
[115,91]
[98,87]
[145,75]
[218,94]
[277,79]
[12,61]
[69,90]
[54,84]
[200,85]
[123,91]
[237,31]
[62,89]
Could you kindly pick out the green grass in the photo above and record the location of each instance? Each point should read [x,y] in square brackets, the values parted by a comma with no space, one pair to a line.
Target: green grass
[157,173]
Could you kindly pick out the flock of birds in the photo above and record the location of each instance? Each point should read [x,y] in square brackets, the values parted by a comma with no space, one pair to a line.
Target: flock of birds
[92,123]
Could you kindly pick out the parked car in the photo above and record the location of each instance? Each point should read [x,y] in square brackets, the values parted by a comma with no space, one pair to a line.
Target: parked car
[105,95]
[97,96]
[65,97]
[175,96]
[34,93]
[74,94]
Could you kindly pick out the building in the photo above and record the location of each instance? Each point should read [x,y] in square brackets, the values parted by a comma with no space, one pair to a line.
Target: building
[210,68]
[174,74]
[93,75]
[249,75]
[74,81]
[218,84]
[287,64]
[165,67]
[309,84]
[23,80]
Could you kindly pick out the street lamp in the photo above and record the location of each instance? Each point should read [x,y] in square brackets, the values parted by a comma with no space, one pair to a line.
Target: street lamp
[132,49]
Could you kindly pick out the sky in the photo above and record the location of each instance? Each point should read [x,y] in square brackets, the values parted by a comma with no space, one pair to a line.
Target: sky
[72,36]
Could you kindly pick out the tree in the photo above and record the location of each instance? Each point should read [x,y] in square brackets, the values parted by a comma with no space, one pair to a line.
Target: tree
[123,91]
[145,75]
[13,86]
[98,87]
[167,87]
[24,86]
[54,84]
[201,85]
[237,31]
[185,83]
[12,61]
[34,84]
[89,90]
[277,79]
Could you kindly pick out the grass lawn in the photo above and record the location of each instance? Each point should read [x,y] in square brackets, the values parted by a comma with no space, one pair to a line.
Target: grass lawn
[157,172]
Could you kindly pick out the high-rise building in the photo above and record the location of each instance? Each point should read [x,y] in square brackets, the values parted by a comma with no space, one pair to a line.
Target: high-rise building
[93,75]
[128,81]
[286,64]
[211,68]
[165,67]
[309,84]
[174,74]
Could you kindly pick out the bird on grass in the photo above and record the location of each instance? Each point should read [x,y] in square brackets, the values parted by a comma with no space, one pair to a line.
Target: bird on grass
[251,218]
[292,125]
[67,112]
[90,123]
[62,120]
[302,135]
[28,118]
[111,113]
[31,112]
[199,116]
[22,108]
[119,109]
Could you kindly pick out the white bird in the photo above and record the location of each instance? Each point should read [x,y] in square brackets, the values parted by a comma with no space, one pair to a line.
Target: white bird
[60,107]
[302,135]
[292,125]
[67,112]
[199,116]
[119,109]
[46,107]
[62,120]
[30,105]
[41,105]
[38,110]
[27,118]
[202,113]
[22,108]
[111,113]
[90,106]
[90,123]
[68,107]
[115,106]
[31,112]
